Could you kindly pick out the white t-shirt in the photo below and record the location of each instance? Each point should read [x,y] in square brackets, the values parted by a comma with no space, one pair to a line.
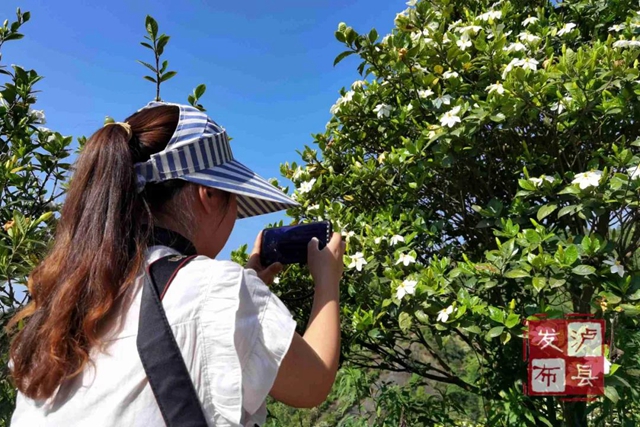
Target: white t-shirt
[233,333]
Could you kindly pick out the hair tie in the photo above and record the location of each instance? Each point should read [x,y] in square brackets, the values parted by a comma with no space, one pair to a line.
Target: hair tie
[125,125]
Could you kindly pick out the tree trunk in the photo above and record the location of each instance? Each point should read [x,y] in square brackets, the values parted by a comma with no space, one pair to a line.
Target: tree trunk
[575,414]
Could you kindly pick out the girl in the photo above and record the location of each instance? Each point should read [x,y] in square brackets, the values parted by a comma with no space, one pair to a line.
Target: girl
[165,182]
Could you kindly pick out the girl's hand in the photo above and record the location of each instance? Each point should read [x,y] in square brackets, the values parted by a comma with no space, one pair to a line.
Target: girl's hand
[267,274]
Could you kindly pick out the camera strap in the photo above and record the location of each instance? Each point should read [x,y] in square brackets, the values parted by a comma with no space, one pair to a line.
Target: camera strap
[160,355]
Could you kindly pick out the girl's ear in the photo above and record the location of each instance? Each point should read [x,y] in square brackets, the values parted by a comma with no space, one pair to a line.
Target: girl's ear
[207,199]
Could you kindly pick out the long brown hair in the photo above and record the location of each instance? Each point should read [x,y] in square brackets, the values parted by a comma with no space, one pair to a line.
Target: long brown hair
[99,248]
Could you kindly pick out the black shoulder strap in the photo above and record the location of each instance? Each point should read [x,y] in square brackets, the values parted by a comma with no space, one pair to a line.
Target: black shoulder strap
[161,357]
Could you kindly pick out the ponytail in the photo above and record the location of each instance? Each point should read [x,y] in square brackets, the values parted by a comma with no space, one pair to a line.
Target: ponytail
[99,249]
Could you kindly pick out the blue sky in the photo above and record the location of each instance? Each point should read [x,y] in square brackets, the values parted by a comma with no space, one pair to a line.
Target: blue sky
[268,67]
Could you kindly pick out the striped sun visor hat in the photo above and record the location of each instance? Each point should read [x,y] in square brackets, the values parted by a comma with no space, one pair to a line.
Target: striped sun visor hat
[199,152]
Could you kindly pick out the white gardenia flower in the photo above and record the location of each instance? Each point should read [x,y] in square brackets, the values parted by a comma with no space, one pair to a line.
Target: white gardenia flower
[424,34]
[348,96]
[276,280]
[530,63]
[348,234]
[298,173]
[395,239]
[442,99]
[450,118]
[464,43]
[617,28]
[412,3]
[469,29]
[450,75]
[621,43]
[528,37]
[403,14]
[382,110]
[425,93]
[420,68]
[454,25]
[492,14]
[406,287]
[38,116]
[627,43]
[446,39]
[385,39]
[515,62]
[306,186]
[588,179]
[358,84]
[616,266]
[538,181]
[634,172]
[357,261]
[443,315]
[530,20]
[559,107]
[313,208]
[514,47]
[405,259]
[377,240]
[496,87]
[566,29]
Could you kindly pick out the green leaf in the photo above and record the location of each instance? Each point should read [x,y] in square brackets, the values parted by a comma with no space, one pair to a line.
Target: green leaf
[614,367]
[583,270]
[13,36]
[421,316]
[147,45]
[496,314]
[404,321]
[545,211]
[152,27]
[340,36]
[634,296]
[151,79]
[532,237]
[539,283]
[505,337]
[149,66]
[342,56]
[166,76]
[373,35]
[630,309]
[200,90]
[556,283]
[516,274]
[566,210]
[494,332]
[165,64]
[611,393]
[162,42]
[570,254]
[350,35]
[611,297]
[512,320]
[525,184]
[374,333]
[474,329]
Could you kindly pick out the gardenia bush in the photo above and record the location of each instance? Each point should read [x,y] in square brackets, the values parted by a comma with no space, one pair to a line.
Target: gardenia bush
[484,169]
